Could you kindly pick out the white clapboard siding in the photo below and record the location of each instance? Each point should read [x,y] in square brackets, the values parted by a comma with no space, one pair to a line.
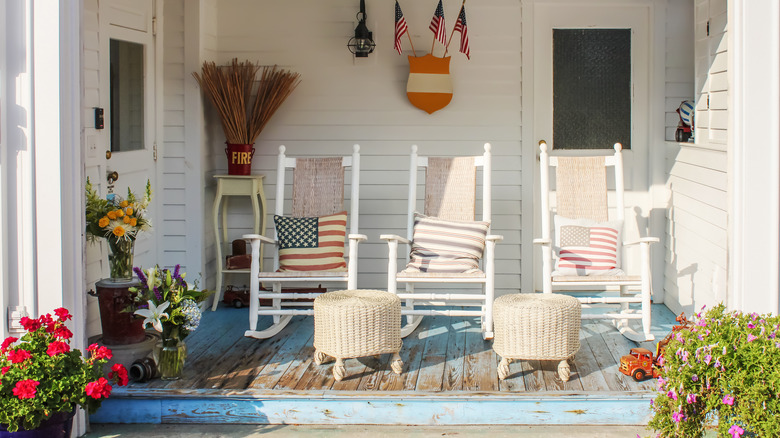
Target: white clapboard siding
[697,227]
[95,256]
[679,61]
[173,187]
[711,58]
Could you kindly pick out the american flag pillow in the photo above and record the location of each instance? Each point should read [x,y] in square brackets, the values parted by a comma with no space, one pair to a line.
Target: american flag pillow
[587,248]
[445,246]
[311,243]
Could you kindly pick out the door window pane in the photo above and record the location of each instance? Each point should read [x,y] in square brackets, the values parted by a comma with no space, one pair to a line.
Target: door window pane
[591,88]
[127,96]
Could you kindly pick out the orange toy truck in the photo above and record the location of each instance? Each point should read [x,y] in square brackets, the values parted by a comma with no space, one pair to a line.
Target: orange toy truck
[640,362]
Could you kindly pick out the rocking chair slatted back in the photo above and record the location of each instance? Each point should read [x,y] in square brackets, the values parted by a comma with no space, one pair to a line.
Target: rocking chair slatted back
[581,187]
[318,186]
[450,188]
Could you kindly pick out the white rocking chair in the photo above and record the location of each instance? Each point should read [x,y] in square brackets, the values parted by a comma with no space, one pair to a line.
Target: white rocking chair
[450,194]
[318,190]
[586,250]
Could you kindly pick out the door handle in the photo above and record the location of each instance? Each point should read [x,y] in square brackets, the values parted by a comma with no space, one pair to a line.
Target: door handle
[112,176]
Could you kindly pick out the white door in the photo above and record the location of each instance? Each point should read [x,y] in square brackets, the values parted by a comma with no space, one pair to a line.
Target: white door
[570,29]
[128,98]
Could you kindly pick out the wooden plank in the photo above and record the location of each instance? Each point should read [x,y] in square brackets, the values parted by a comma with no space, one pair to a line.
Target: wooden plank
[553,382]
[456,352]
[603,357]
[618,346]
[270,374]
[532,375]
[375,371]
[297,368]
[411,354]
[358,369]
[514,382]
[479,370]
[252,355]
[432,364]
[588,372]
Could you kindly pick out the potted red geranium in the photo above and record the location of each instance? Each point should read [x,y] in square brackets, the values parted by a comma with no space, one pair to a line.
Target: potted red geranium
[43,380]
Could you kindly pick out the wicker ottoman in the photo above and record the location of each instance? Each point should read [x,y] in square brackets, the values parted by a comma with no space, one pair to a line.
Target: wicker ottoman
[357,323]
[536,327]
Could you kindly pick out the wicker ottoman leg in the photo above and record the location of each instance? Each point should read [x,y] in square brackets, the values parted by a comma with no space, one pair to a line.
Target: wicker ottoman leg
[339,370]
[397,365]
[503,368]
[320,357]
[563,370]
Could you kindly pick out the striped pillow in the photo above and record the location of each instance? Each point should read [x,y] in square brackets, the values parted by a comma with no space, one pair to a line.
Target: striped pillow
[442,246]
[585,247]
[311,243]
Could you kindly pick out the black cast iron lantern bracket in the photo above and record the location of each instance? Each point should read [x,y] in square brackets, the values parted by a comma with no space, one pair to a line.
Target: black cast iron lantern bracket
[363,42]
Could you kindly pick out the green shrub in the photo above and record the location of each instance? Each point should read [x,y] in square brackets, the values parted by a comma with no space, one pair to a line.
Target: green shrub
[724,370]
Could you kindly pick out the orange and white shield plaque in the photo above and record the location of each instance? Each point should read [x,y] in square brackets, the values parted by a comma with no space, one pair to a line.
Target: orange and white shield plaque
[430,86]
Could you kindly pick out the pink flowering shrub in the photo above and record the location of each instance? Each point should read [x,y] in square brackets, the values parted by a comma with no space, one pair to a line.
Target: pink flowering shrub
[725,370]
[40,375]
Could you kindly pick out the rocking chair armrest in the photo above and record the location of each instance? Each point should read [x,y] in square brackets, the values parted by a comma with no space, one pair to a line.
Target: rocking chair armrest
[357,237]
[494,237]
[542,241]
[260,238]
[395,237]
[641,240]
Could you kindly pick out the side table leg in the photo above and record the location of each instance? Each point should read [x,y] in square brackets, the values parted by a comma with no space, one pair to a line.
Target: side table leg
[503,368]
[339,370]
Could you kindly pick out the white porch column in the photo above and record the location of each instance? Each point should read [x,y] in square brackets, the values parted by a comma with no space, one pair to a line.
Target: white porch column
[754,152]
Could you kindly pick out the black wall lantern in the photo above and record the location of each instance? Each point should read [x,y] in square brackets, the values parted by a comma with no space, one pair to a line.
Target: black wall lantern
[362,43]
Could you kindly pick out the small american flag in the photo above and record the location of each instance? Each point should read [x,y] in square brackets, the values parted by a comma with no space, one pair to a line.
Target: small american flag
[437,24]
[400,26]
[460,26]
[588,248]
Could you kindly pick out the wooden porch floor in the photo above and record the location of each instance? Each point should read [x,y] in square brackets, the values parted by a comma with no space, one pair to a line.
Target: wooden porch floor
[445,354]
[445,359]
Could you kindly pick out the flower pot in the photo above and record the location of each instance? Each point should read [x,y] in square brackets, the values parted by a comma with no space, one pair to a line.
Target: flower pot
[239,157]
[57,426]
[119,328]
[120,259]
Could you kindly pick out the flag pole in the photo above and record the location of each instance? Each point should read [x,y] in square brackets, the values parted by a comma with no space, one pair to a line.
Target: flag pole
[447,49]
[412,44]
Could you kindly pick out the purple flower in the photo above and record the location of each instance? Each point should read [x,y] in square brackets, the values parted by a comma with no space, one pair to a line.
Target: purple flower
[728,400]
[751,338]
[702,323]
[140,274]
[707,359]
[157,294]
[176,272]
[694,378]
[736,431]
[678,336]
[661,361]
[678,417]
[673,395]
[685,356]
[751,325]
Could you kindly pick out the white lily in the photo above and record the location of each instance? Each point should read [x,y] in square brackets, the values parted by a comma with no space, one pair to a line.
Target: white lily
[154,314]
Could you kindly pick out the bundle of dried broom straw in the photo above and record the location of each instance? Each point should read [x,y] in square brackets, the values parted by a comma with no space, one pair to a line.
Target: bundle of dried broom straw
[231,88]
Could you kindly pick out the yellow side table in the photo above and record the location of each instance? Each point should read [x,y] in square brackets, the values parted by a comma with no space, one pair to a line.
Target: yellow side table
[236,185]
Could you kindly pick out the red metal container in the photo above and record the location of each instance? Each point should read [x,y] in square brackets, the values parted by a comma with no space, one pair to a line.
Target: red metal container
[239,157]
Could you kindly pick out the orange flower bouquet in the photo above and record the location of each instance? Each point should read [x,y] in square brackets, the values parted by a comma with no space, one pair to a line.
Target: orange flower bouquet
[119,221]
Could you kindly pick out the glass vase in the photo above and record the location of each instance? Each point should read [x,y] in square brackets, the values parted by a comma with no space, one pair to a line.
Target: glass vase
[120,259]
[170,354]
